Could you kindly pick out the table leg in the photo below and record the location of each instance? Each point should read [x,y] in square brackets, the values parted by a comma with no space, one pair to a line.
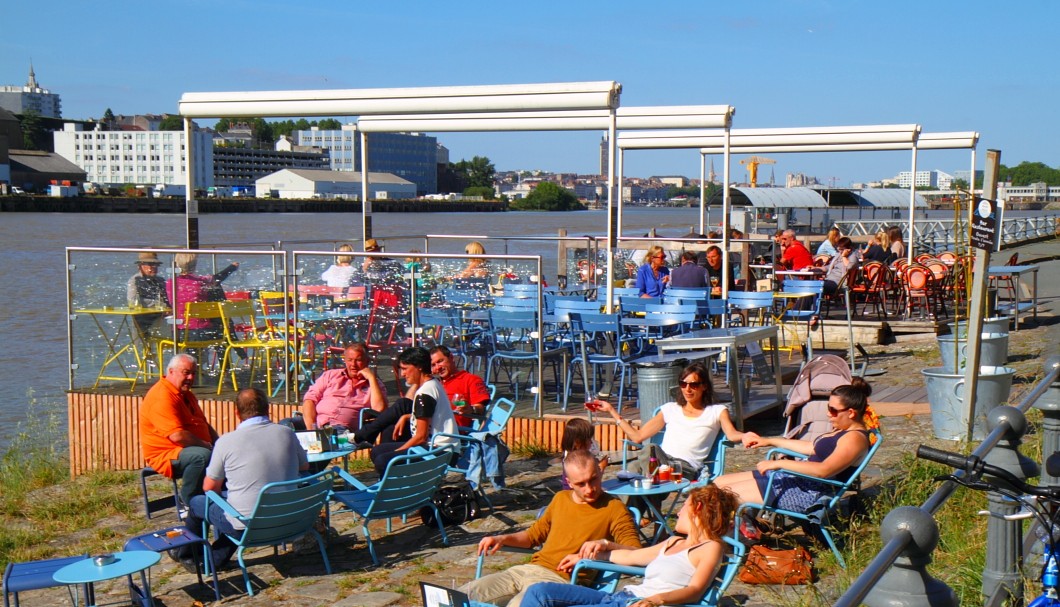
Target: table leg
[1034,294]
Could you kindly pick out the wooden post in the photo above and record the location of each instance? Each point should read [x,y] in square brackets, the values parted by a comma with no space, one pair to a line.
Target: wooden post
[978,299]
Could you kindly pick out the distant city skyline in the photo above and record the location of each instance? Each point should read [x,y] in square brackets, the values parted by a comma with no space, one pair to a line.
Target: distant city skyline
[947,66]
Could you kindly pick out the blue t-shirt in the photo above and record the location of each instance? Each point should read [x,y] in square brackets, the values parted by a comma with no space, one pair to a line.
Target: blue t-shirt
[648,284]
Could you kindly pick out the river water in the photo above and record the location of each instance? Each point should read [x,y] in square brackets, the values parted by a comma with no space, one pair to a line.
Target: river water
[33,346]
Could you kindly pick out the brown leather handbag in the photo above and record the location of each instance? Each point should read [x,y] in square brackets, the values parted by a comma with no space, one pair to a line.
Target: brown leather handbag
[792,566]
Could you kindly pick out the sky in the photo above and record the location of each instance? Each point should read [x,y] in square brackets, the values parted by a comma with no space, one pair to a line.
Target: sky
[974,65]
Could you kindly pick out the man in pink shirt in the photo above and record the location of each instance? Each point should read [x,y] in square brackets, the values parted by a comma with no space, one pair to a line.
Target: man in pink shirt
[337,397]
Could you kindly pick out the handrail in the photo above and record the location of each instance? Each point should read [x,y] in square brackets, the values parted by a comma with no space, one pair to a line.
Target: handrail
[902,539]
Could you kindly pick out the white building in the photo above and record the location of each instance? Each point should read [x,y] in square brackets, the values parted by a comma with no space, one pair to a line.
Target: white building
[929,179]
[1035,192]
[137,157]
[306,183]
[19,99]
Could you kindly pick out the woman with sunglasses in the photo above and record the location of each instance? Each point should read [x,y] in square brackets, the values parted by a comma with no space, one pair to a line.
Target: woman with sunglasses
[653,275]
[833,455]
[692,423]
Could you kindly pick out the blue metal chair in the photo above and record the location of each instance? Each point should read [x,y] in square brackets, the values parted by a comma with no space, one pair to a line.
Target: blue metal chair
[801,311]
[515,339]
[284,512]
[745,304]
[478,442]
[608,574]
[34,575]
[601,342]
[817,516]
[408,484]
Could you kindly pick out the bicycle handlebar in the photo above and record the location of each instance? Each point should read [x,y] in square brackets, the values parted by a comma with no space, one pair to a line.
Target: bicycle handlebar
[975,467]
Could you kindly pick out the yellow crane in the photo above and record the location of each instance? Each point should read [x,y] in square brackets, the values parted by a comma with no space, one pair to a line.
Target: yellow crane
[752,167]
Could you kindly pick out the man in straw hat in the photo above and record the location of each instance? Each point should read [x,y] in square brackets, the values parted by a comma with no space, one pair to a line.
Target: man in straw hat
[146,289]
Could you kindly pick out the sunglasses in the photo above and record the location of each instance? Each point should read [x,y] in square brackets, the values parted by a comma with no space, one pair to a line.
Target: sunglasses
[834,412]
[690,384]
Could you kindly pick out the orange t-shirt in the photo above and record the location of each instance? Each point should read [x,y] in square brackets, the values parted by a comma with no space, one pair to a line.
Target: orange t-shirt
[164,411]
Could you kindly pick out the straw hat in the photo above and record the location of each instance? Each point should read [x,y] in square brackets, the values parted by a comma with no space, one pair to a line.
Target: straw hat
[148,259]
[371,244]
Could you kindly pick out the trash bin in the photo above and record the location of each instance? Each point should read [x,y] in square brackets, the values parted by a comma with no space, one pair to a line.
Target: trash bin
[656,382]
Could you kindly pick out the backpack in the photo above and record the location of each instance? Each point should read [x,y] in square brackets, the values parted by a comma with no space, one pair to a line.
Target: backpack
[456,503]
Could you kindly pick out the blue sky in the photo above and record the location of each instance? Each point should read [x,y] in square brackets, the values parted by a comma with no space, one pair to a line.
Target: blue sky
[948,66]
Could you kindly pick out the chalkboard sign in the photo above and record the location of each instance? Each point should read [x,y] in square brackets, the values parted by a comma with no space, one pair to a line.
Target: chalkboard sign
[758,362]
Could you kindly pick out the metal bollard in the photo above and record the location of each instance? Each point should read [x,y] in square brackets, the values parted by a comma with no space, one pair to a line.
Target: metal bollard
[1049,405]
[907,583]
[1004,547]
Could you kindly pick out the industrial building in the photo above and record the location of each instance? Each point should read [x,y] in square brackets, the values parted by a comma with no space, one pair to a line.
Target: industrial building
[242,167]
[411,156]
[303,183]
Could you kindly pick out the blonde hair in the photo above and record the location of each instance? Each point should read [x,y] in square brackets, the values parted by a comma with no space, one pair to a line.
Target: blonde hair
[883,239]
[833,235]
[475,248]
[652,252]
[186,262]
[344,258]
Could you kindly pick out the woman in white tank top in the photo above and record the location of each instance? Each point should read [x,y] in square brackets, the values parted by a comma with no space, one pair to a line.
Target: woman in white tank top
[678,571]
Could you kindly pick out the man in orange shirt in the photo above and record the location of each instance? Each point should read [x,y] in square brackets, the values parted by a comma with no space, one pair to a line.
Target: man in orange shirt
[175,437]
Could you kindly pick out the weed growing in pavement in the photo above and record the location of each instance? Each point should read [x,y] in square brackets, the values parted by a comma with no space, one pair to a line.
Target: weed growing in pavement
[530,449]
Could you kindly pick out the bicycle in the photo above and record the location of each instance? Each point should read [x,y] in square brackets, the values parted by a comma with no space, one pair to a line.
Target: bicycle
[1043,503]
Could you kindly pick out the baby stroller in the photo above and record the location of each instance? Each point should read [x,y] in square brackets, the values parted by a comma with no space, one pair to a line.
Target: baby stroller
[807,406]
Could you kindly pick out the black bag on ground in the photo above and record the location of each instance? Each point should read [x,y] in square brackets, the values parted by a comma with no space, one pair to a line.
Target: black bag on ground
[456,503]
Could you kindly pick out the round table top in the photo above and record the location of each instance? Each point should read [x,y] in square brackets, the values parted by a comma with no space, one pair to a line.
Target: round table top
[125,563]
[625,487]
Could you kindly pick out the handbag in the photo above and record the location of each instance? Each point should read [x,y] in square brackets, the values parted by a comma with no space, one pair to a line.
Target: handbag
[792,566]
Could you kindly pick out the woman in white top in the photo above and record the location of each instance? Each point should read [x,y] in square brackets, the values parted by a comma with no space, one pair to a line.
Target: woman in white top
[693,422]
[678,571]
[340,274]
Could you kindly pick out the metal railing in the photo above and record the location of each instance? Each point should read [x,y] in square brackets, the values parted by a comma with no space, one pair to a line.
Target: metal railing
[938,234]
[898,574]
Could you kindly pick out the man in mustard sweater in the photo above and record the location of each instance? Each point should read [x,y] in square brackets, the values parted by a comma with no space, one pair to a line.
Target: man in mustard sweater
[574,517]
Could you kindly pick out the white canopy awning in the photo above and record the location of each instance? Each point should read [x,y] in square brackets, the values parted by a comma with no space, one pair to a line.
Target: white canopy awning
[777,198]
[888,198]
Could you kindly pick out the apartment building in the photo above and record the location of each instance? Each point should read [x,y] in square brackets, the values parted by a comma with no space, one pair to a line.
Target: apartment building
[411,156]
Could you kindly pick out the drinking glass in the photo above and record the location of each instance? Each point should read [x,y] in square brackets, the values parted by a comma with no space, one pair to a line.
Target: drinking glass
[676,473]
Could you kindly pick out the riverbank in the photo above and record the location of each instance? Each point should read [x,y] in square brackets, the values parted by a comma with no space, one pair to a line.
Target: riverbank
[120,204]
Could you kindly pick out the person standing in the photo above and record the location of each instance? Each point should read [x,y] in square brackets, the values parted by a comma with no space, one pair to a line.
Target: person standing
[175,437]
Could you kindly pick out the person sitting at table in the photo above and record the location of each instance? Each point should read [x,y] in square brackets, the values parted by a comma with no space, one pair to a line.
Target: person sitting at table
[843,263]
[692,423]
[828,247]
[336,398]
[476,268]
[425,413]
[583,514]
[897,248]
[878,249]
[653,275]
[677,572]
[340,274]
[833,455]
[256,453]
[796,256]
[715,270]
[146,289]
[190,288]
[688,274]
[175,437]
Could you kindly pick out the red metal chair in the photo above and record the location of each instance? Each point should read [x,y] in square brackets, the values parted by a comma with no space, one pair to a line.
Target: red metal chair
[870,287]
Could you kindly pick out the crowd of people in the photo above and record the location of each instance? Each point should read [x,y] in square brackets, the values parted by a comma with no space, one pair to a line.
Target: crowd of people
[581,521]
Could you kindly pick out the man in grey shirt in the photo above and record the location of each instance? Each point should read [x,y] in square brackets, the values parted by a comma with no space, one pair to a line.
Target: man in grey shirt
[256,453]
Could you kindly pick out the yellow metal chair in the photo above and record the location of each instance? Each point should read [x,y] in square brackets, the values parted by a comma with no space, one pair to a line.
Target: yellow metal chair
[197,337]
[241,332]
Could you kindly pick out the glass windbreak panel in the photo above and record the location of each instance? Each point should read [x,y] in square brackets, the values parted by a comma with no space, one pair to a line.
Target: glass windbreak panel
[132,311]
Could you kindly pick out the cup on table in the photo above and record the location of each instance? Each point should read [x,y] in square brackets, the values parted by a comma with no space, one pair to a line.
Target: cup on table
[676,473]
[665,473]
[342,439]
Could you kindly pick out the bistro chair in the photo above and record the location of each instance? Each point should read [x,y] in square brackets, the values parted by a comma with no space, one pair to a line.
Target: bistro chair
[207,334]
[242,314]
[601,342]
